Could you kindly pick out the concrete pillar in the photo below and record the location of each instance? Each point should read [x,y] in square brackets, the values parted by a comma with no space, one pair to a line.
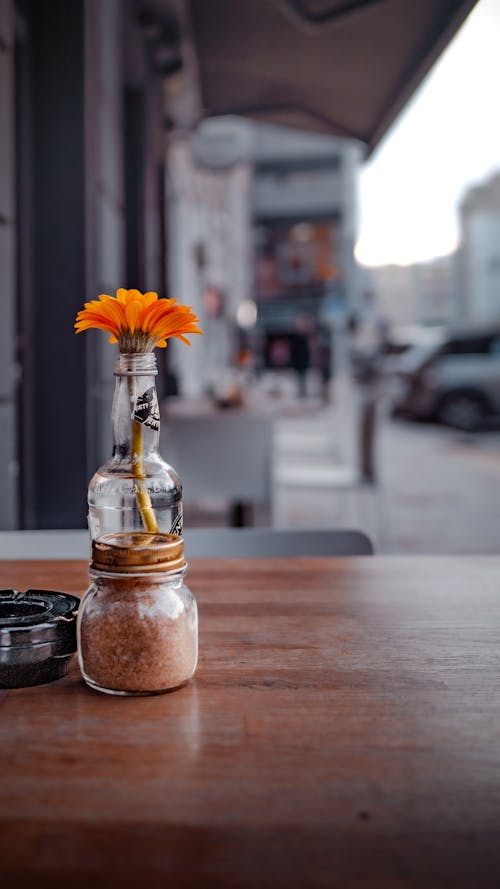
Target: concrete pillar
[8,404]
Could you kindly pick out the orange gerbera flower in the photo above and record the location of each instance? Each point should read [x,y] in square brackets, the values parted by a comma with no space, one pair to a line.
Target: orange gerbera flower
[138,321]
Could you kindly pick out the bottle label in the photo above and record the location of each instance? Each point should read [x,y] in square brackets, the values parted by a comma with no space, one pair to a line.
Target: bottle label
[177,524]
[147,410]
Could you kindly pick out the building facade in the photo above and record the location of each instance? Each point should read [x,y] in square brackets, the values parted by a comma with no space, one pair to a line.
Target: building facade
[422,293]
[479,254]
[263,213]
[83,123]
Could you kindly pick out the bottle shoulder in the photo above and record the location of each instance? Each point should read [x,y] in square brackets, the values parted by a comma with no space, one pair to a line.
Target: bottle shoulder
[117,472]
[152,464]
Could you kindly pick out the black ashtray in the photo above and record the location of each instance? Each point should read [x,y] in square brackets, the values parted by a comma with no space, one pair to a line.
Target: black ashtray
[37,636]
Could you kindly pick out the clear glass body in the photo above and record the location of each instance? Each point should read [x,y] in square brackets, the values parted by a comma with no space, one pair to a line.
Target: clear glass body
[136,489]
[137,634]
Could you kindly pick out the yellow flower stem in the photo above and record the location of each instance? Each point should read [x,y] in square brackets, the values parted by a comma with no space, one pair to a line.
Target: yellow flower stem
[141,493]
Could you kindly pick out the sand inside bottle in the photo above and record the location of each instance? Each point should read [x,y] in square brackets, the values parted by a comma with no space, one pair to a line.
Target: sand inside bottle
[136,637]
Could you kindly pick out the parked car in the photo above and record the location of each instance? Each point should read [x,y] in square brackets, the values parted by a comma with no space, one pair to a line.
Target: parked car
[455,380]
[386,358]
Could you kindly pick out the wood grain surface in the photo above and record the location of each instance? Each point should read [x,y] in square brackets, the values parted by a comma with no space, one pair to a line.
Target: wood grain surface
[343,730]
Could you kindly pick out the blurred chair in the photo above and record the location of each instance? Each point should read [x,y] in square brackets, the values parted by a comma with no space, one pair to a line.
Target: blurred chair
[200,543]
[274,543]
[226,455]
[20,545]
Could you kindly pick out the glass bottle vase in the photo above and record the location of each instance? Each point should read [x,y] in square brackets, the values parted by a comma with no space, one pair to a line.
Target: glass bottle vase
[136,490]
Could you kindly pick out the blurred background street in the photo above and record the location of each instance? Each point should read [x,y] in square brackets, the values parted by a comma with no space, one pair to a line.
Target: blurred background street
[334,224]
[438,488]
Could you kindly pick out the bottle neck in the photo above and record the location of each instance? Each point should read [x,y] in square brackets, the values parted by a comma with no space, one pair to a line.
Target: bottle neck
[135,413]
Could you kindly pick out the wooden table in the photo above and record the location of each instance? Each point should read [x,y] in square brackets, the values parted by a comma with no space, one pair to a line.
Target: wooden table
[343,731]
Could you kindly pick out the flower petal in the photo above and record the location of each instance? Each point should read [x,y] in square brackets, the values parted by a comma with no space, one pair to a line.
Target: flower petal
[138,320]
[148,300]
[132,312]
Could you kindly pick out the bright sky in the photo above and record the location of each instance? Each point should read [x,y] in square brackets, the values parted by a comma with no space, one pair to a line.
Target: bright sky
[447,138]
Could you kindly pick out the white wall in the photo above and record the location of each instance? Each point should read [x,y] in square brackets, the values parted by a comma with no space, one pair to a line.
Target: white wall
[482,265]
[211,209]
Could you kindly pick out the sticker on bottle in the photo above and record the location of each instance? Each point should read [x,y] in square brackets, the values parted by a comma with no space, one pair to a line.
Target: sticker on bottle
[177,524]
[147,410]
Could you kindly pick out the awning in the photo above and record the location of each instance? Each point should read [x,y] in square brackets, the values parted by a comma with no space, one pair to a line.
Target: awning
[344,67]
